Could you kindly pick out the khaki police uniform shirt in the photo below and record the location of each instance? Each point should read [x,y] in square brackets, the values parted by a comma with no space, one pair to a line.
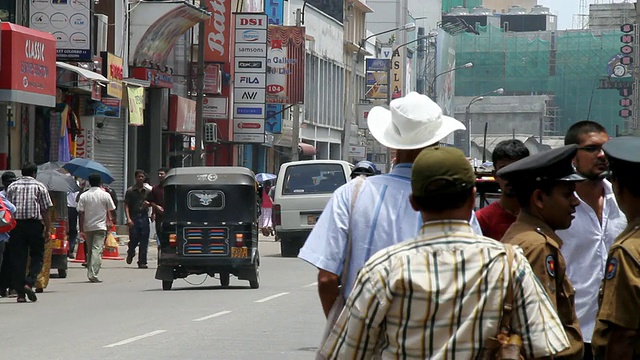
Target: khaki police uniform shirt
[620,290]
[542,248]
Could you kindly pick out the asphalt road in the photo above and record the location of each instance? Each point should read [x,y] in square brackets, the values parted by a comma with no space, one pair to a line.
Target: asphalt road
[129,316]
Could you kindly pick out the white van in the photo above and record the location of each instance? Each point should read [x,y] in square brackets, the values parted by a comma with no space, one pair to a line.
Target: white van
[302,191]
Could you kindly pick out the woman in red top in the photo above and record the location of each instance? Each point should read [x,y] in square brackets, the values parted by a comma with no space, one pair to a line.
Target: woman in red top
[496,218]
[266,225]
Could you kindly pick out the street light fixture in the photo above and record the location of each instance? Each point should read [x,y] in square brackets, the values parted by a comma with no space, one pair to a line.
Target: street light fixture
[432,90]
[467,118]
[350,98]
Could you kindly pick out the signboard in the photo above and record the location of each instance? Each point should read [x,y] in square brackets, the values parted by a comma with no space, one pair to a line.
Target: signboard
[377,73]
[363,113]
[28,72]
[215,107]
[358,152]
[248,138]
[273,124]
[108,107]
[183,115]
[275,11]
[69,21]
[249,93]
[113,68]
[156,78]
[212,80]
[285,65]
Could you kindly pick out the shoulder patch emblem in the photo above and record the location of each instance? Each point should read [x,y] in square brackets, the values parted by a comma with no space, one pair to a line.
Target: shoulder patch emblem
[551,265]
[612,267]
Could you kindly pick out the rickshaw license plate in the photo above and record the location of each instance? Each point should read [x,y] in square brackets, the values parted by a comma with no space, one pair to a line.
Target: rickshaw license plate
[312,219]
[57,244]
[237,252]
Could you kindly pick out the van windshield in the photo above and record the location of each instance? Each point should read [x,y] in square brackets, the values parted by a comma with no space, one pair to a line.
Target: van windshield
[313,179]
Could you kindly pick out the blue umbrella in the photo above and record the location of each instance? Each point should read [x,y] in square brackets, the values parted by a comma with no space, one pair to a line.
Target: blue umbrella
[82,168]
[262,177]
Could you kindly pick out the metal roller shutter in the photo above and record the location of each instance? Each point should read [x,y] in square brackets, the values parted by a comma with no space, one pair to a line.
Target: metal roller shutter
[109,150]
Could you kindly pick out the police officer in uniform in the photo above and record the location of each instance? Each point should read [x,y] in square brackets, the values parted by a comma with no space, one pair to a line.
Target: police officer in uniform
[544,185]
[617,332]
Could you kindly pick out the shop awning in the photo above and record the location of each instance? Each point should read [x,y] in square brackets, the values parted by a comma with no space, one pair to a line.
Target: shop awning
[88,74]
[28,71]
[306,149]
[136,82]
[156,26]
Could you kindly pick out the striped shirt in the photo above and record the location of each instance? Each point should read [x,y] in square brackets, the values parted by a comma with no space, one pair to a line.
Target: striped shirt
[440,296]
[30,197]
[382,217]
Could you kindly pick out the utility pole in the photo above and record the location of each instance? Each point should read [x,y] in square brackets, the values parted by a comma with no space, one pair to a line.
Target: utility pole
[295,132]
[420,63]
[197,160]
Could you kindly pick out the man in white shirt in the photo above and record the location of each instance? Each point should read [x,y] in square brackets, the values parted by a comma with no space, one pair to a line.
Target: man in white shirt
[94,209]
[382,215]
[598,221]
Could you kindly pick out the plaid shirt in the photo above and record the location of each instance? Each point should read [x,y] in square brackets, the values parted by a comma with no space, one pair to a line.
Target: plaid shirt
[440,296]
[30,197]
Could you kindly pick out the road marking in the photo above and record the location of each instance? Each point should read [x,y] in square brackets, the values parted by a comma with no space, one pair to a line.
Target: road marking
[272,297]
[310,285]
[212,315]
[135,338]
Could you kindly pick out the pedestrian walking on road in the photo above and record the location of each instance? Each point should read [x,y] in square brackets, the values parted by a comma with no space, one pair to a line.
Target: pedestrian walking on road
[496,218]
[544,184]
[369,214]
[6,268]
[94,210]
[32,202]
[598,221]
[439,295]
[156,202]
[137,212]
[6,205]
[616,334]
[72,216]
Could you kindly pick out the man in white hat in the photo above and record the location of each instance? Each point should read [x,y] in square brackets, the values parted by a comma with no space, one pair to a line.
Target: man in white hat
[382,215]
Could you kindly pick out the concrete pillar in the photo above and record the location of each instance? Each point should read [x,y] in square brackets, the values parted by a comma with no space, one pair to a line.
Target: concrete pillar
[155,128]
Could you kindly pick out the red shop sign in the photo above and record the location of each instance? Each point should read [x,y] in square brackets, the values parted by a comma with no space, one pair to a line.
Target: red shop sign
[28,65]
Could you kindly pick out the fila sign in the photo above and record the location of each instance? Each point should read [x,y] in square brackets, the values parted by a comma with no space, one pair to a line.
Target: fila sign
[251,80]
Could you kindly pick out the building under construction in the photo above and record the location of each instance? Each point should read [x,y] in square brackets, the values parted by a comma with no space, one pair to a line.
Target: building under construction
[578,69]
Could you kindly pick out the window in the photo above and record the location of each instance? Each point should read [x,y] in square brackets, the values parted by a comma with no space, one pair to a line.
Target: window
[313,179]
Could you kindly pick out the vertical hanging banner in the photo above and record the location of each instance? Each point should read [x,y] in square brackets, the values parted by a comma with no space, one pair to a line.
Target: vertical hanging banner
[273,123]
[217,31]
[285,65]
[135,95]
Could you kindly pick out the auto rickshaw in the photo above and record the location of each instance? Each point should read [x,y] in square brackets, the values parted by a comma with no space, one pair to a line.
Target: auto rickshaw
[210,225]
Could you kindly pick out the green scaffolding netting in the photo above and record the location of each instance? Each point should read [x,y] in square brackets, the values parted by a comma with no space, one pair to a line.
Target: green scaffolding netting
[567,64]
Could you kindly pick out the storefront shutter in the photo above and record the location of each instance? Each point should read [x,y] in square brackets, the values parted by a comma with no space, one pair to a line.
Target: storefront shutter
[110,150]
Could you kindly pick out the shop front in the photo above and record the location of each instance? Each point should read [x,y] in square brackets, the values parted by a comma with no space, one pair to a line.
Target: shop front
[27,80]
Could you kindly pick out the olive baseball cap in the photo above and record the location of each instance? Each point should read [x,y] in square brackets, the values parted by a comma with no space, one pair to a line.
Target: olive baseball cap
[441,170]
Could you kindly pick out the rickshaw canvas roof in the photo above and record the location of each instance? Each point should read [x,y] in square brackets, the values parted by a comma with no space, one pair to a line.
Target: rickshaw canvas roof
[210,175]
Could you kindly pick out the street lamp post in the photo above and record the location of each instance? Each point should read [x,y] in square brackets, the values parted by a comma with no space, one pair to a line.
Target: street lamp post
[432,88]
[351,100]
[467,119]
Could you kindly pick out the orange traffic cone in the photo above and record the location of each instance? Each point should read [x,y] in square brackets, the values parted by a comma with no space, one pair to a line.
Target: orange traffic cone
[111,246]
[80,256]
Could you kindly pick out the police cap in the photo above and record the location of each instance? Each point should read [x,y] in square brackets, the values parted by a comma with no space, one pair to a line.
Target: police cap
[623,150]
[550,165]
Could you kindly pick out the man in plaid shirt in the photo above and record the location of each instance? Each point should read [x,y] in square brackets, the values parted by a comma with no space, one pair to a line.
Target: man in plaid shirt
[32,202]
[440,295]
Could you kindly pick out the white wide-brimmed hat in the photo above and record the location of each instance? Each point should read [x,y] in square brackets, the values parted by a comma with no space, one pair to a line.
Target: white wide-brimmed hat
[414,122]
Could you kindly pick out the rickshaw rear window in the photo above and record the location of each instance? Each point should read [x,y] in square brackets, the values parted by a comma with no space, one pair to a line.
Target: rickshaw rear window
[313,179]
[205,200]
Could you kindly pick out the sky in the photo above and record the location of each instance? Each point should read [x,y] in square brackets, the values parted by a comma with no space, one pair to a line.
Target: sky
[565,9]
